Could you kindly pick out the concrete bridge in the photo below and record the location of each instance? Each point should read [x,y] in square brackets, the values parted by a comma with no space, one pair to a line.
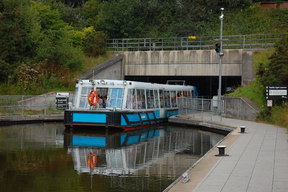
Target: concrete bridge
[197,67]
[236,62]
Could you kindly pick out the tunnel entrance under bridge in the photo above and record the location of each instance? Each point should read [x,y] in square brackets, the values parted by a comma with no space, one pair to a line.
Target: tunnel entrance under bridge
[207,85]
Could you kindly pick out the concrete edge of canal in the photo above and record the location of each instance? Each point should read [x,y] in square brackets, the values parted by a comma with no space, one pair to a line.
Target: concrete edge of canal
[10,120]
[199,170]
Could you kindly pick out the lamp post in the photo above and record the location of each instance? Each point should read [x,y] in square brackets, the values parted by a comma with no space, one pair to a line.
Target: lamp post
[221,54]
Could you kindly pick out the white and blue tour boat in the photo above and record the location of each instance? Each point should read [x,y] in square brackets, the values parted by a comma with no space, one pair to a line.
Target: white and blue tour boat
[124,104]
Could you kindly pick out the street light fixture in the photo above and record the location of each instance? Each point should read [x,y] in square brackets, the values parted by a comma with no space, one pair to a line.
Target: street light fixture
[221,54]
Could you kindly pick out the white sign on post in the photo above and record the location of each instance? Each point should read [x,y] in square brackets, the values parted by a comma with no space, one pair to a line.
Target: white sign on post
[269,103]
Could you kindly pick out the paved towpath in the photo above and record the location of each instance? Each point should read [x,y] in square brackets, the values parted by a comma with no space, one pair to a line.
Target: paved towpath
[256,161]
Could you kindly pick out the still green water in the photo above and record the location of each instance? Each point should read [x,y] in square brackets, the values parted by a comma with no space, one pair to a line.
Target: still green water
[46,157]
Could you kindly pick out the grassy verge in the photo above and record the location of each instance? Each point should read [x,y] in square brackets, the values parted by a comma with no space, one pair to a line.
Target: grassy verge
[253,91]
[279,115]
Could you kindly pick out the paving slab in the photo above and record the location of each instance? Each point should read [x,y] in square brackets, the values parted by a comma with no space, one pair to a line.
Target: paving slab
[256,160]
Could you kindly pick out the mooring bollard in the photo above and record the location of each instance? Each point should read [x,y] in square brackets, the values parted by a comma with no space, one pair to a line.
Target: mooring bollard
[221,149]
[242,129]
[185,177]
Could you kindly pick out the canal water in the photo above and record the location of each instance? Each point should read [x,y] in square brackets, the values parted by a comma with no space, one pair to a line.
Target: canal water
[46,157]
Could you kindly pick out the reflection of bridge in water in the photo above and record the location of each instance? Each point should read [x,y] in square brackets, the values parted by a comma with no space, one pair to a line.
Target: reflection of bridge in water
[149,150]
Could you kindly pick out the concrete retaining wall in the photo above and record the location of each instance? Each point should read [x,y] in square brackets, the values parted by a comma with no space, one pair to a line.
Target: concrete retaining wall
[240,108]
[110,69]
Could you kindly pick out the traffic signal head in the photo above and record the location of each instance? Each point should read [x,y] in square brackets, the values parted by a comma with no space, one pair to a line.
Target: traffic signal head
[217,48]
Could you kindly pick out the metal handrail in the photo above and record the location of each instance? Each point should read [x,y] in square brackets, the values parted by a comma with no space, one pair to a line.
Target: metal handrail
[252,41]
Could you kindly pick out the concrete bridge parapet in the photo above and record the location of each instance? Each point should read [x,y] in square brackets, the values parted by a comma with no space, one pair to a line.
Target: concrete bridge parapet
[236,62]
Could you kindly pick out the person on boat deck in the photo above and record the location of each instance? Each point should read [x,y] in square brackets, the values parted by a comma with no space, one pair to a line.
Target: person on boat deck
[104,101]
[100,102]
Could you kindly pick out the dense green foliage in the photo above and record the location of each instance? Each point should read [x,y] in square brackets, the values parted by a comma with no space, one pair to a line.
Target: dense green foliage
[160,18]
[39,49]
[35,40]
[275,72]
[256,20]
[44,42]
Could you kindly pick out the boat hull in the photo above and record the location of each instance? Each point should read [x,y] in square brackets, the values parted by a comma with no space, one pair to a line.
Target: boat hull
[118,119]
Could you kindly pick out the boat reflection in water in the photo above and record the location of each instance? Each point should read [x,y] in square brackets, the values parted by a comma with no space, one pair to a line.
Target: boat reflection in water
[138,151]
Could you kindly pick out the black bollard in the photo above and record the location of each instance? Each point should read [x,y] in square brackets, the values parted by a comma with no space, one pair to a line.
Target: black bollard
[242,129]
[221,149]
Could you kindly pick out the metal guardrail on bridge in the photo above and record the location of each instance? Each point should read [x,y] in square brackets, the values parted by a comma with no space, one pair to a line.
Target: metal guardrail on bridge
[255,41]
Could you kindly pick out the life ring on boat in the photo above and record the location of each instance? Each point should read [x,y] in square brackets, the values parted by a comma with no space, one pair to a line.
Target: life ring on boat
[93,98]
[92,160]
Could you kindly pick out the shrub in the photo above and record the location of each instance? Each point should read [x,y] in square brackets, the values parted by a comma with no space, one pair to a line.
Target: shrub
[94,42]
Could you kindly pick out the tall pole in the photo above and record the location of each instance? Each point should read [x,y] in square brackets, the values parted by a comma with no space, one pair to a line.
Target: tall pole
[221,54]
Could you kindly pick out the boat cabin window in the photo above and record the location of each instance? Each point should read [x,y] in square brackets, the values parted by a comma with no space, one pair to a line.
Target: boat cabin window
[162,99]
[140,98]
[115,96]
[186,93]
[131,99]
[150,99]
[173,98]
[83,97]
[167,98]
[156,97]
[141,104]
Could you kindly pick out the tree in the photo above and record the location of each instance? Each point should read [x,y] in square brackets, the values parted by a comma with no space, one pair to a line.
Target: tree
[94,42]
[56,43]
[276,72]
[19,33]
[119,19]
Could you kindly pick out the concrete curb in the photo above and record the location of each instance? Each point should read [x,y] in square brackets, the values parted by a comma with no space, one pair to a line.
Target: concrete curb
[212,126]
[12,120]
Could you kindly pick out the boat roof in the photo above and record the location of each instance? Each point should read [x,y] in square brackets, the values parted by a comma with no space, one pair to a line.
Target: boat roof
[132,84]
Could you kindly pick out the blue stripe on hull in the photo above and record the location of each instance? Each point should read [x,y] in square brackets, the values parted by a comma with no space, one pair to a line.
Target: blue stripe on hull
[88,141]
[133,117]
[89,118]
[143,116]
[157,113]
[151,116]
